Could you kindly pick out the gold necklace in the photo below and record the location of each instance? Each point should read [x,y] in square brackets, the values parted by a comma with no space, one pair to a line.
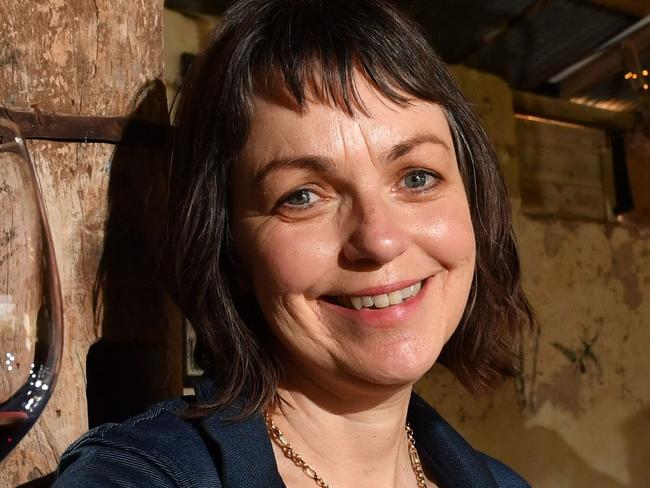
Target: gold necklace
[290,453]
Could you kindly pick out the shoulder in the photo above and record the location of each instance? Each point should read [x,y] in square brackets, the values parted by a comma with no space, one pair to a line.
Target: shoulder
[156,448]
[503,475]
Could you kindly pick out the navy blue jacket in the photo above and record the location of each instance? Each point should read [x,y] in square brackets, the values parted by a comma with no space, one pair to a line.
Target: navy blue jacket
[161,449]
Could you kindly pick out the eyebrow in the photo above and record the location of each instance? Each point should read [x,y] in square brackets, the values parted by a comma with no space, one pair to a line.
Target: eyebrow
[320,164]
[403,148]
[323,164]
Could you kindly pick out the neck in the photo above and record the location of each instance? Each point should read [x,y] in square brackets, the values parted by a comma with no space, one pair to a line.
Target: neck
[350,440]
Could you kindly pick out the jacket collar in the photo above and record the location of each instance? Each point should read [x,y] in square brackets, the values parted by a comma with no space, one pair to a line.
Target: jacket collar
[247,459]
[451,460]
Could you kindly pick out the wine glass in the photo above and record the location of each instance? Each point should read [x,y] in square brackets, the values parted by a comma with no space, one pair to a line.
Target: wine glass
[31,314]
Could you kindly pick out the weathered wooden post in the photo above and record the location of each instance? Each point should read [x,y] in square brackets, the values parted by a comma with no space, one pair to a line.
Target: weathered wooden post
[94,58]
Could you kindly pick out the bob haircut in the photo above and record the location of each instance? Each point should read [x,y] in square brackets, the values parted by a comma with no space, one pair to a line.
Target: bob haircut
[315,47]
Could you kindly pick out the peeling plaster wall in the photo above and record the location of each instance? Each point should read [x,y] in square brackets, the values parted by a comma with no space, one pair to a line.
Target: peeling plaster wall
[580,416]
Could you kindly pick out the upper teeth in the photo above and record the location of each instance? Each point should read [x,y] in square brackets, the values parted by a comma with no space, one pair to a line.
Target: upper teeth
[385,299]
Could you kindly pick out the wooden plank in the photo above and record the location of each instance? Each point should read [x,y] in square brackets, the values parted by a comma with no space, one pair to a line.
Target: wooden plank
[562,170]
[606,65]
[209,7]
[575,113]
[638,8]
[90,58]
[637,153]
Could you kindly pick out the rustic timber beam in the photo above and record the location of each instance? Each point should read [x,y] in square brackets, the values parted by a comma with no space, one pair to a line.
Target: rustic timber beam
[639,8]
[606,65]
[37,124]
[500,31]
[575,113]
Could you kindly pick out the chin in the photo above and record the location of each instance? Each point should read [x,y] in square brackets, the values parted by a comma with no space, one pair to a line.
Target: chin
[400,370]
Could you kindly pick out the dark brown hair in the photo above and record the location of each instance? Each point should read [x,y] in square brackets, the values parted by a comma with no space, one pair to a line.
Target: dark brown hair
[315,46]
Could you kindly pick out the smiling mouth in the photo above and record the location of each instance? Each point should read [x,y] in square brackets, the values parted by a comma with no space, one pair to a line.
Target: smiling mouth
[383,300]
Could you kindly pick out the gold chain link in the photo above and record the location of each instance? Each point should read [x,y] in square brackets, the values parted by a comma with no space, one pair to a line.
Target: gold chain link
[290,453]
[415,458]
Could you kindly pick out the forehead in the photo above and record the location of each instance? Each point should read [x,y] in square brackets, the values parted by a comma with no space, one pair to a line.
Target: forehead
[280,128]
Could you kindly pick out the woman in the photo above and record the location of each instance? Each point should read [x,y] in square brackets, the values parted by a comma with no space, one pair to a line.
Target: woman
[337,223]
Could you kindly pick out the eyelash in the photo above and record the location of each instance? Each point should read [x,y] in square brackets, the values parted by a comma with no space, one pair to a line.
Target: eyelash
[283,203]
[437,179]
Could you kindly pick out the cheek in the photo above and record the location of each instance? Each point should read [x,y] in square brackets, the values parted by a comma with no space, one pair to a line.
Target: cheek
[284,260]
[448,236]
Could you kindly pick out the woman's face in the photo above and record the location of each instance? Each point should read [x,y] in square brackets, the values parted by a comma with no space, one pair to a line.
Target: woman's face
[338,221]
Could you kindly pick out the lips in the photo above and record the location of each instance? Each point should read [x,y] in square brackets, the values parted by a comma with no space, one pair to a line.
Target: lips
[374,317]
[377,300]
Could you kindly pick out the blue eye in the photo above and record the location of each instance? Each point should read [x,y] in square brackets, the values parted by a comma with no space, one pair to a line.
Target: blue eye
[301,198]
[420,179]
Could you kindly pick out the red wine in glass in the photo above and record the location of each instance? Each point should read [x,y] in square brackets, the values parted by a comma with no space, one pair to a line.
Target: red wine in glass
[13,426]
[31,315]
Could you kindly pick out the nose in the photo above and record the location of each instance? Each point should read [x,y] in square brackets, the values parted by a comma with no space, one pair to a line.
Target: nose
[375,234]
